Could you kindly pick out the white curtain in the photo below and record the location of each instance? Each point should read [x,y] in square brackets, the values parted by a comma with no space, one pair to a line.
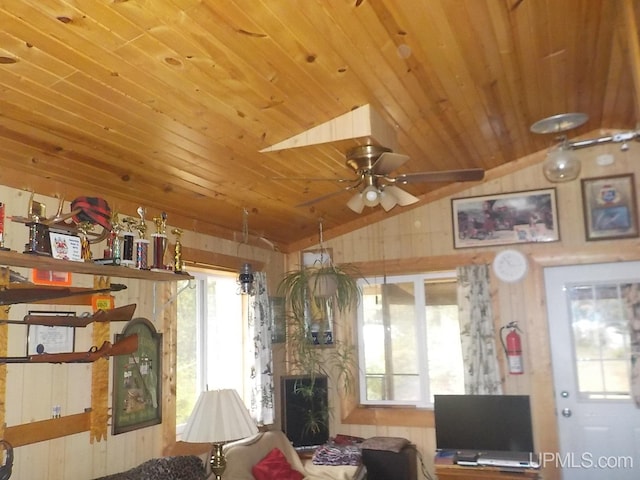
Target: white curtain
[482,372]
[259,330]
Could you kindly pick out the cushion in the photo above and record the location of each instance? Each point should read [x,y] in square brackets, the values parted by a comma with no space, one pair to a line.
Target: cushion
[274,466]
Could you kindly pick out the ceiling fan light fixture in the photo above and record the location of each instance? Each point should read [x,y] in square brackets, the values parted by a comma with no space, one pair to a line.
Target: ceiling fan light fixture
[403,197]
[388,200]
[356,203]
[561,165]
[371,196]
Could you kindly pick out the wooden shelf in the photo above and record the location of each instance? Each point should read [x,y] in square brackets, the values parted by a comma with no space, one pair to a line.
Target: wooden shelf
[42,430]
[42,262]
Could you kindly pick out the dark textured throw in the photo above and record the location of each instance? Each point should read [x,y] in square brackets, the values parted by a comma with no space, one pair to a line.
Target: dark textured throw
[188,467]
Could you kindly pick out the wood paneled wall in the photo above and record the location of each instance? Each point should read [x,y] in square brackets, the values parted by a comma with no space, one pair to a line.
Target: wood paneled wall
[422,238]
[32,390]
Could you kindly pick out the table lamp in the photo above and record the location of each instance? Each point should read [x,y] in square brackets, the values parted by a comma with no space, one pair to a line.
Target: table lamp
[219,417]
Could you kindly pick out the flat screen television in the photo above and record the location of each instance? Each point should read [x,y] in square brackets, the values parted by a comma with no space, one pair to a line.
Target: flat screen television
[305,407]
[482,423]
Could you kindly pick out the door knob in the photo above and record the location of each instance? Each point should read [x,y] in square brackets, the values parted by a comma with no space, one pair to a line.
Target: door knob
[566,412]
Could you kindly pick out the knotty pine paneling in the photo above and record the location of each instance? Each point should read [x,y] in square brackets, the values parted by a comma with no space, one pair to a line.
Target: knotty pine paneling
[422,236]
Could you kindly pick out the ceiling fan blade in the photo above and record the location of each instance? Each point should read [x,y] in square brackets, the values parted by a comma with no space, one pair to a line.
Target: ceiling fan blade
[402,197]
[328,195]
[317,179]
[387,162]
[468,175]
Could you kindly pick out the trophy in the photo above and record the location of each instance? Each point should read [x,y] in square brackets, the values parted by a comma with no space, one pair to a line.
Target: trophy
[159,242]
[39,243]
[142,244]
[2,247]
[177,252]
[128,241]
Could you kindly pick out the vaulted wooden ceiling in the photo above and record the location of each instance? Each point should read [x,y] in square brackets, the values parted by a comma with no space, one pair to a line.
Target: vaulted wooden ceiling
[168,103]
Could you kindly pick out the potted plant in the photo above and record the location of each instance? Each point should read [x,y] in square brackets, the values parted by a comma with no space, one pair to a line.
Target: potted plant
[313,295]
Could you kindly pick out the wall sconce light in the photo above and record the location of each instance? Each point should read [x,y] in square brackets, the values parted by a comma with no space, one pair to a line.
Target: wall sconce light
[245,280]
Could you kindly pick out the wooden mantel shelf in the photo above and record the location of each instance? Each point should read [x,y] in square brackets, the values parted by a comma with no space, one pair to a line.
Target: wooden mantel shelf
[16,259]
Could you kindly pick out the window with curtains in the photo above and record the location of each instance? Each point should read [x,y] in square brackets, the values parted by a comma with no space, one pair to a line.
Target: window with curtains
[409,339]
[211,336]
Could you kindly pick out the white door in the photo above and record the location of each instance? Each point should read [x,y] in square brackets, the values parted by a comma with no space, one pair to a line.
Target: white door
[598,423]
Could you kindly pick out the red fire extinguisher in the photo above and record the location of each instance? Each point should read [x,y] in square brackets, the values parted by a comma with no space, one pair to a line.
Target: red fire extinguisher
[513,348]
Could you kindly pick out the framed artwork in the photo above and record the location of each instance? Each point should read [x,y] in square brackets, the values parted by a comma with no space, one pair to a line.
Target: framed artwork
[507,218]
[65,247]
[609,207]
[50,339]
[137,400]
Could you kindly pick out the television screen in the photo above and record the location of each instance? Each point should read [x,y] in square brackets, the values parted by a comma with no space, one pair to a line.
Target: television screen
[483,423]
[305,410]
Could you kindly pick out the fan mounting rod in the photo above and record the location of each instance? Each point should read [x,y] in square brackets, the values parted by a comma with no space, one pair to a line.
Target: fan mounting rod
[362,158]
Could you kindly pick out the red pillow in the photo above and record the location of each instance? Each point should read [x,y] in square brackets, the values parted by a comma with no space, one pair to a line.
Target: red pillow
[274,466]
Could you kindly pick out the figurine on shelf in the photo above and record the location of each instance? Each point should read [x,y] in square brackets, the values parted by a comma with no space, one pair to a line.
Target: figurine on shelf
[85,247]
[177,252]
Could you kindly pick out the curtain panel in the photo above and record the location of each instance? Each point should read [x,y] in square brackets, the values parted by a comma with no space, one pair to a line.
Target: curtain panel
[259,331]
[477,335]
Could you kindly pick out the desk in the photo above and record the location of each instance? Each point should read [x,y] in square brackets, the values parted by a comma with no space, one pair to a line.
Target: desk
[457,472]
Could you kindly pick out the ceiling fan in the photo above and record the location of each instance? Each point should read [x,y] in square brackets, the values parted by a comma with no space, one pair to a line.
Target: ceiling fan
[373,165]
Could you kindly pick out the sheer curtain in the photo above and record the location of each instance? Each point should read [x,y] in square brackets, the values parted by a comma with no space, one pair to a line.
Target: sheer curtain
[477,335]
[631,296]
[259,330]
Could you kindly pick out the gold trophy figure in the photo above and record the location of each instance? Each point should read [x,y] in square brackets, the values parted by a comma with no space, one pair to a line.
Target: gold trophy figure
[177,251]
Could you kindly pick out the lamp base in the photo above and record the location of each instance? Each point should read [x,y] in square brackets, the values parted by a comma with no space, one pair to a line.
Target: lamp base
[218,462]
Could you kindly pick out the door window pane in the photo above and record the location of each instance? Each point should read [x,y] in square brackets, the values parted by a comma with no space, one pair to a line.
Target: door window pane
[600,340]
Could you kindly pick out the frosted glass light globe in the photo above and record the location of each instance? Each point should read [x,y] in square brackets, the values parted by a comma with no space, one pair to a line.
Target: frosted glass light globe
[561,166]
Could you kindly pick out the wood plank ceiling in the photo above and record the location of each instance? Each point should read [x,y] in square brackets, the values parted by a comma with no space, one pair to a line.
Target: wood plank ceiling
[167,103]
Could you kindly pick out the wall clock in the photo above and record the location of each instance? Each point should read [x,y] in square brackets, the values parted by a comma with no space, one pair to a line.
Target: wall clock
[510,265]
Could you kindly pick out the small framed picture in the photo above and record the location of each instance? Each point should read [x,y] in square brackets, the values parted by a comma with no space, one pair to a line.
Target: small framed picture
[65,247]
[50,339]
[609,207]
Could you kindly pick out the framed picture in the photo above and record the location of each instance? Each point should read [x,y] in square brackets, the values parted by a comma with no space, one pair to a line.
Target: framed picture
[50,339]
[65,247]
[609,206]
[137,400]
[519,217]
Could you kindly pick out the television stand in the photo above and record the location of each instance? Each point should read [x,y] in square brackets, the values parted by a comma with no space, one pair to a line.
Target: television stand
[457,472]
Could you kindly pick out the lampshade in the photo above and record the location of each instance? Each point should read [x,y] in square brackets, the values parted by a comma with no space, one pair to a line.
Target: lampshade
[561,165]
[356,203]
[219,416]
[387,200]
[403,198]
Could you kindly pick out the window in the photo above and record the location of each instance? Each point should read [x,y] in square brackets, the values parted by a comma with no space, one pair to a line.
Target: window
[210,338]
[409,339]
